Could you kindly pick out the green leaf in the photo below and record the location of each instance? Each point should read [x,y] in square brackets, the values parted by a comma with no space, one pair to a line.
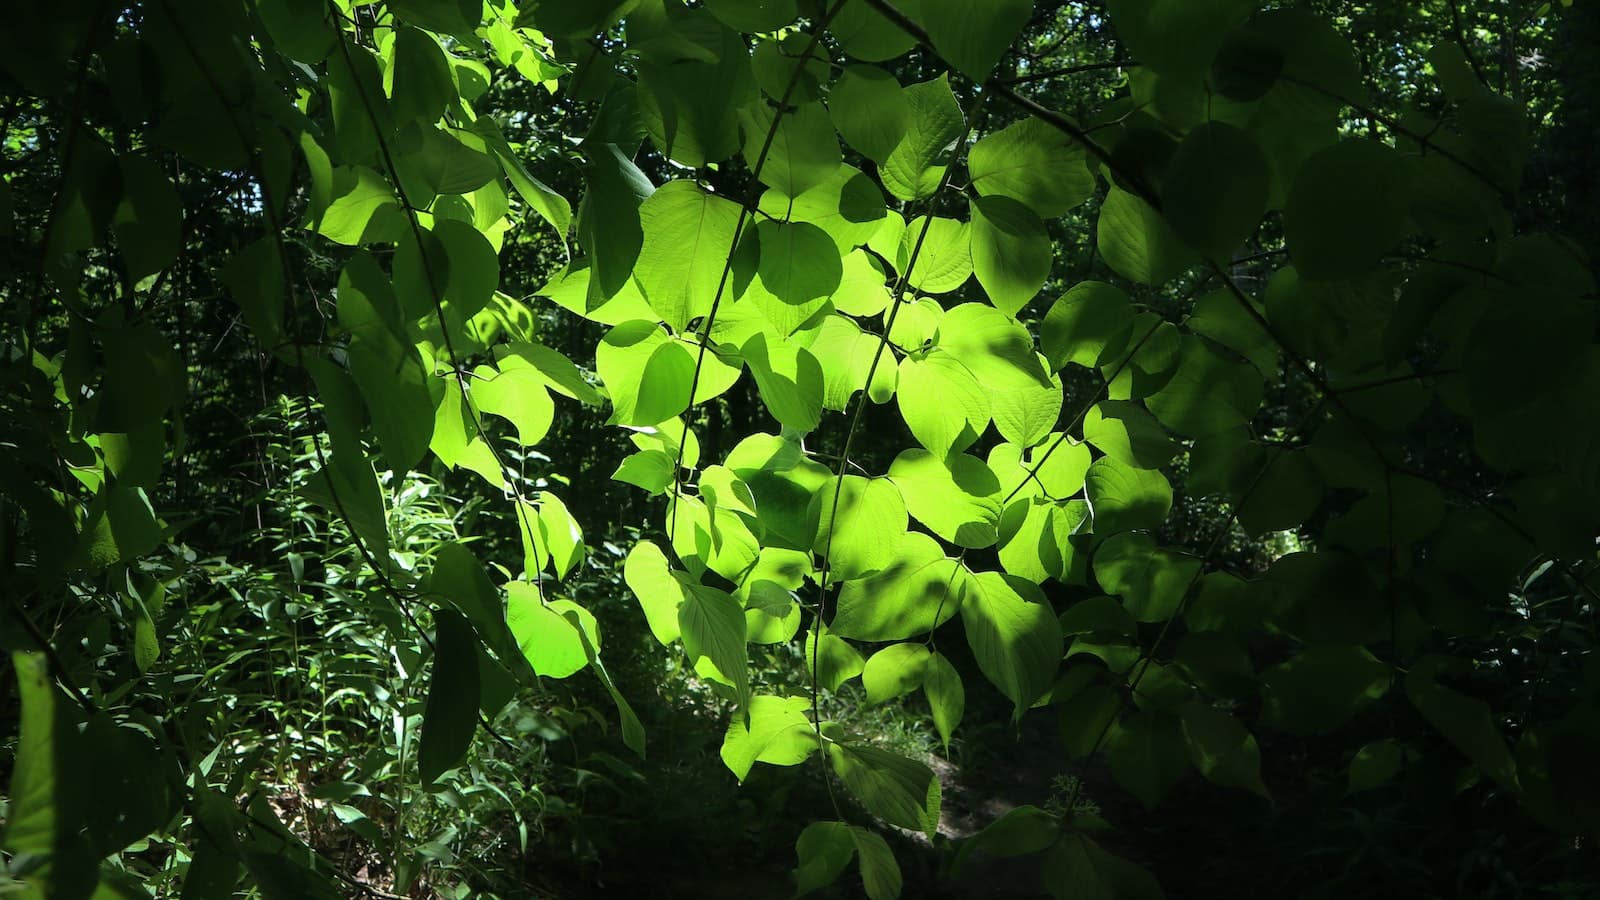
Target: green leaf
[1125,498]
[143,377]
[946,695]
[1375,765]
[445,161]
[713,628]
[297,29]
[146,646]
[894,671]
[1176,36]
[990,343]
[659,594]
[847,205]
[846,355]
[1216,189]
[1207,393]
[1035,537]
[790,381]
[800,267]
[824,850]
[935,254]
[1122,429]
[804,151]
[972,35]
[1152,581]
[423,87]
[1079,867]
[551,206]
[1087,325]
[1286,492]
[454,17]
[958,498]
[456,439]
[833,660]
[900,791]
[858,523]
[121,526]
[558,372]
[647,373]
[254,277]
[1014,636]
[870,111]
[917,590]
[548,640]
[47,795]
[149,220]
[559,534]
[1087,718]
[715,538]
[394,384]
[632,728]
[942,402]
[459,578]
[866,35]
[1011,252]
[935,122]
[136,458]
[363,208]
[753,15]
[610,220]
[366,302]
[1321,689]
[779,733]
[771,615]
[451,716]
[647,469]
[690,106]
[783,481]
[688,234]
[1221,748]
[880,873]
[1033,163]
[518,396]
[1465,722]
[1147,755]
[1137,242]
[1059,467]
[915,323]
[1346,209]
[1221,317]
[1025,414]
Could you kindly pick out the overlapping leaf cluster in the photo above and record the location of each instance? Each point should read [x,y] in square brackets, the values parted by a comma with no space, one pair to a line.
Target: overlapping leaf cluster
[891,251]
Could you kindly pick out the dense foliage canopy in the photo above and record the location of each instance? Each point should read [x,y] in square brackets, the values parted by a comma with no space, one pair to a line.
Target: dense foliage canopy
[423,417]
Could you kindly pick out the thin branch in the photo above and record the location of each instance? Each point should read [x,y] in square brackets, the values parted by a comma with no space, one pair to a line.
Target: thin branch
[1049,74]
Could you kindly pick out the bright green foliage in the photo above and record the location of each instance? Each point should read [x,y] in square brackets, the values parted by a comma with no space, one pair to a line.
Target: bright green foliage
[912,170]
[957,499]
[946,695]
[1010,251]
[687,233]
[1015,639]
[870,110]
[894,671]
[1033,163]
[778,734]
[898,790]
[914,591]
